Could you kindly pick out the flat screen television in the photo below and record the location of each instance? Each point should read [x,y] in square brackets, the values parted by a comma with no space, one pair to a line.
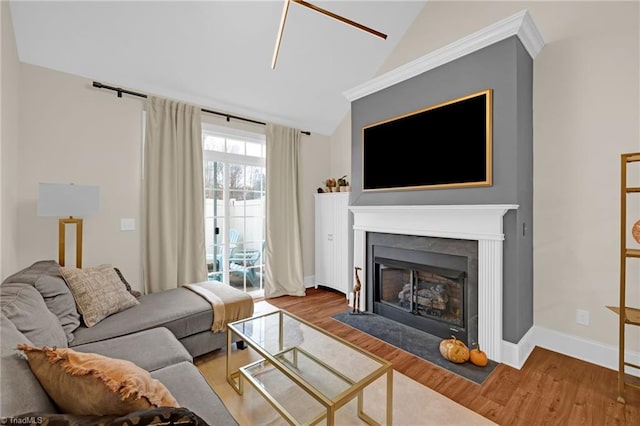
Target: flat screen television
[446,145]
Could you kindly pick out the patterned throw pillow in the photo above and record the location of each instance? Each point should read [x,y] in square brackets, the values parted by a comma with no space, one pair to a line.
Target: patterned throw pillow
[86,383]
[98,292]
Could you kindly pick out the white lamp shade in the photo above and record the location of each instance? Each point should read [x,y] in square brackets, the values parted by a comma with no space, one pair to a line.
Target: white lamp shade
[61,200]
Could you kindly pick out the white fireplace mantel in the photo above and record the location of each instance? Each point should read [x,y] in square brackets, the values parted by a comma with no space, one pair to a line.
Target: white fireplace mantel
[467,222]
[482,223]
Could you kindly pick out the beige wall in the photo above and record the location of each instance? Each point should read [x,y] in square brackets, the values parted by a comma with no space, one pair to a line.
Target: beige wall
[71,132]
[9,78]
[314,160]
[340,149]
[586,113]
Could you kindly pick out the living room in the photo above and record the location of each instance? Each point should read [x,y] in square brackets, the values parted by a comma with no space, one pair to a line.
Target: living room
[586,109]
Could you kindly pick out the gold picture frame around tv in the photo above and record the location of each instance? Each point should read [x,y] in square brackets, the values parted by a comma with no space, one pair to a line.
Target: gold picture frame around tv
[447,145]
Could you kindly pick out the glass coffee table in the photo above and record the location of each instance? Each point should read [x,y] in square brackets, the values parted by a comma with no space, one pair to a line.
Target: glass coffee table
[305,373]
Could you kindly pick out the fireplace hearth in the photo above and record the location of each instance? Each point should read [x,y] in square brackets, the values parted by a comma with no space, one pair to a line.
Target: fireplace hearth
[426,283]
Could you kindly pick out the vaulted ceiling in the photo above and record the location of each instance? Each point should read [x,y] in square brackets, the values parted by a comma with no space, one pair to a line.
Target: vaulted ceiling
[217,54]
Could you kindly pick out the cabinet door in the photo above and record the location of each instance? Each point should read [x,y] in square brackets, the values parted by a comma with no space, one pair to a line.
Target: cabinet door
[325,222]
[341,243]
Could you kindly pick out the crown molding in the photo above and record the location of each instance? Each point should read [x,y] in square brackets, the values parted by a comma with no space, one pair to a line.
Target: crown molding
[520,24]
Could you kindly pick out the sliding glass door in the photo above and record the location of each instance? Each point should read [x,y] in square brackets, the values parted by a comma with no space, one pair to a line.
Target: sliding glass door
[234,166]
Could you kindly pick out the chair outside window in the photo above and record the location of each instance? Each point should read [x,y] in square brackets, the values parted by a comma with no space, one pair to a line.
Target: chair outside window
[234,235]
[248,263]
[216,266]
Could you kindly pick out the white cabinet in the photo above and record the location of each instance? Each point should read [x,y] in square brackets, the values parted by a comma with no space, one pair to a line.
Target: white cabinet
[332,241]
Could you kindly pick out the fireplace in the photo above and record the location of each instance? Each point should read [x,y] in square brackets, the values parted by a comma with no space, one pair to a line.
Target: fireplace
[424,282]
[479,224]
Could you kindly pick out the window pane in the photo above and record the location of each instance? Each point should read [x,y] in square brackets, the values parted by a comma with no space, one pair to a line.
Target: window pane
[235,146]
[213,240]
[255,149]
[237,198]
[254,233]
[255,195]
[213,179]
[236,176]
[213,143]
[208,236]
[255,177]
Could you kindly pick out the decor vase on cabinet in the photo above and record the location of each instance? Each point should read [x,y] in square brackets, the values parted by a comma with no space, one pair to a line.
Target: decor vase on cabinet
[332,257]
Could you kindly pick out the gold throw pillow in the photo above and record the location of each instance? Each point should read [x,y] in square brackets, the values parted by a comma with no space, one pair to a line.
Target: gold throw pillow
[86,383]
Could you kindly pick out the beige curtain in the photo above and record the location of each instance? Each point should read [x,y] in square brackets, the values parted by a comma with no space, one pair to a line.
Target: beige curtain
[173,225]
[283,253]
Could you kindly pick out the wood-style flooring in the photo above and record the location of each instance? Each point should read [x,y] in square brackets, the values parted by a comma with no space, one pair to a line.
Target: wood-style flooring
[550,389]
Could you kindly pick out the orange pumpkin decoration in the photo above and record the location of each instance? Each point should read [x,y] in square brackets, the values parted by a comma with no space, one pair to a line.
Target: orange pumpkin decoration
[478,357]
[454,350]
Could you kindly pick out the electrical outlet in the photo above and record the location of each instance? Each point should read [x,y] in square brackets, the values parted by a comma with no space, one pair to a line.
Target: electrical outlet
[582,317]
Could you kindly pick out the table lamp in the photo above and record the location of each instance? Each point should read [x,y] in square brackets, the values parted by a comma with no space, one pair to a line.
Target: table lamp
[69,202]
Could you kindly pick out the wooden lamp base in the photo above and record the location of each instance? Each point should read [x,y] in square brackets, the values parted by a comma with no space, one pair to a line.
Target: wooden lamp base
[61,240]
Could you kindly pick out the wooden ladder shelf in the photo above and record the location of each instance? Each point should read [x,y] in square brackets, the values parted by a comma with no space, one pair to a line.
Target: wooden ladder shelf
[627,315]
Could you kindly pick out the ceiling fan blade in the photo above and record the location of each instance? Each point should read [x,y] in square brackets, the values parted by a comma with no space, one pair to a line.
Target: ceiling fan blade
[340,18]
[283,19]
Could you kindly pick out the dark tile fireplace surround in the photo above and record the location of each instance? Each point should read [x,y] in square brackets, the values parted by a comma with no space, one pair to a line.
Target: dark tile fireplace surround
[428,283]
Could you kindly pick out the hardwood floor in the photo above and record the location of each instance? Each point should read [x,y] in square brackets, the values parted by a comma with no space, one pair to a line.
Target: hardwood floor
[550,389]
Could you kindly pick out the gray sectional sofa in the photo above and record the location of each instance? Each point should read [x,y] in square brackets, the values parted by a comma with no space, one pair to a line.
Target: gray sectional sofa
[161,334]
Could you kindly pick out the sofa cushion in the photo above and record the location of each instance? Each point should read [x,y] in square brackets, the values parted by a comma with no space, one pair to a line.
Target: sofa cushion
[98,292]
[25,307]
[10,337]
[192,391]
[20,389]
[180,310]
[59,300]
[135,347]
[30,274]
[45,277]
[82,383]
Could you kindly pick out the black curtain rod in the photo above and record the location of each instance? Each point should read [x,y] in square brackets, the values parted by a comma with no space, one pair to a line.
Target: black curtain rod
[120,91]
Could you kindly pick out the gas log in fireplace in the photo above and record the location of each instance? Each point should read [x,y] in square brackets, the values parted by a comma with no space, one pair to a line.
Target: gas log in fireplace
[427,283]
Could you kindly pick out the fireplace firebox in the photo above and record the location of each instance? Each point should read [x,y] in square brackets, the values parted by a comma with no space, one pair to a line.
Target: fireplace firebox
[424,282]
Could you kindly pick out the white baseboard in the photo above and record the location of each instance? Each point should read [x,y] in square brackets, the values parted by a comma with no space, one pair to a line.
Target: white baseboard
[588,350]
[514,354]
[584,349]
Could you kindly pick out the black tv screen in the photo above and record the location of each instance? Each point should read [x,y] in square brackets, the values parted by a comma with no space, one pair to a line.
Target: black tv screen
[444,145]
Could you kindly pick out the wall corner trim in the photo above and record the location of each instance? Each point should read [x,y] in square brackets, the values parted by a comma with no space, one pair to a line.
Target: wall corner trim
[516,354]
[520,24]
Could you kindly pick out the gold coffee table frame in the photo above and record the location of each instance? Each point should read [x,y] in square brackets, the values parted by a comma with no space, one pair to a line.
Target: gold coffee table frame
[286,360]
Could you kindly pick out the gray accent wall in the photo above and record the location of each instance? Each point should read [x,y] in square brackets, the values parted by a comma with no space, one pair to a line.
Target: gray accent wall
[507,69]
